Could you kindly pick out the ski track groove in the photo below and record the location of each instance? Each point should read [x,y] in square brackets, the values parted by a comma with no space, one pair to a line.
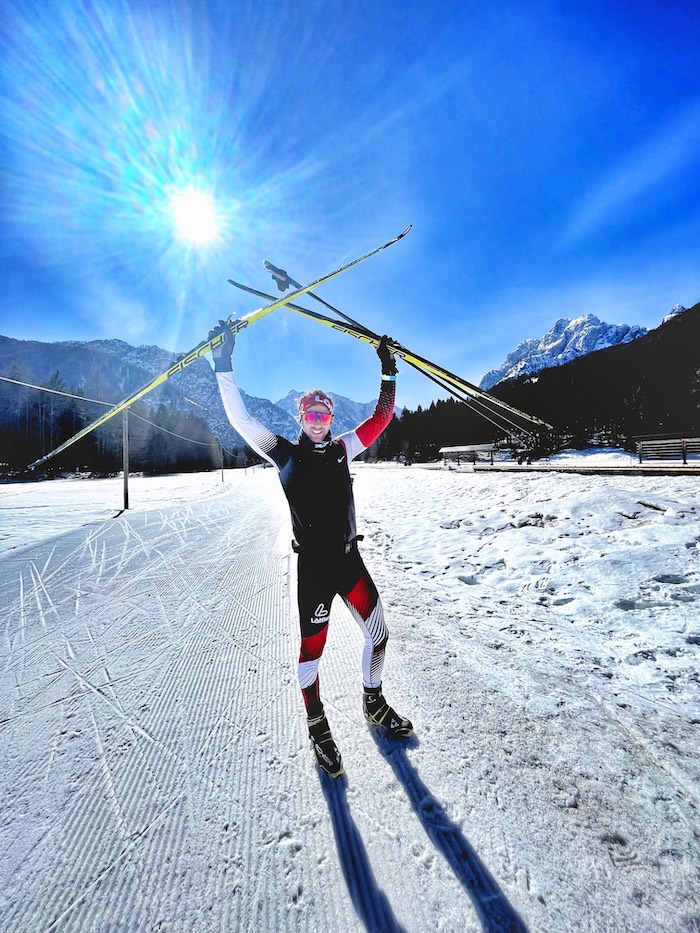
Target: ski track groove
[152,660]
[107,775]
[84,894]
[90,831]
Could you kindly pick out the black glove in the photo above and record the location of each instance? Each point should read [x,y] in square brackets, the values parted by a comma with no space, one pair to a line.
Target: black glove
[221,354]
[387,357]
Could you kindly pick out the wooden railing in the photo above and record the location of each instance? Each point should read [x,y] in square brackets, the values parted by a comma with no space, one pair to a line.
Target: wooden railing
[668,448]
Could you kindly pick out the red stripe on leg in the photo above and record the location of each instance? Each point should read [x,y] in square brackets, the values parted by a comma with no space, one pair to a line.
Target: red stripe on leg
[363,596]
[312,647]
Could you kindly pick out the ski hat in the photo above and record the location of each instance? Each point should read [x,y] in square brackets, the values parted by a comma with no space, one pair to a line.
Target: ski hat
[315,397]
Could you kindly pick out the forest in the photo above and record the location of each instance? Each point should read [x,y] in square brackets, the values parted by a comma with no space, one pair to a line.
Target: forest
[161,440]
[647,388]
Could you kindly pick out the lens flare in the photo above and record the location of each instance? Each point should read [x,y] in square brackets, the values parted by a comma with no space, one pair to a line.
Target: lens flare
[133,164]
[194,216]
[121,142]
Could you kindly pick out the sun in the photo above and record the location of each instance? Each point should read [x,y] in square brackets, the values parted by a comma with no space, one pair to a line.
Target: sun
[194,216]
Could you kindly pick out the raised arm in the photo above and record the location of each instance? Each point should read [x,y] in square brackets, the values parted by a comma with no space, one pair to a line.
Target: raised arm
[253,433]
[366,433]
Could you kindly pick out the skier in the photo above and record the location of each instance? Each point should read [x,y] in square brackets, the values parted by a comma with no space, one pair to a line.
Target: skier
[316,480]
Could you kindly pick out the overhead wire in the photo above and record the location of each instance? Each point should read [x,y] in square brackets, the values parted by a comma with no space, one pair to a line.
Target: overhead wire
[95,401]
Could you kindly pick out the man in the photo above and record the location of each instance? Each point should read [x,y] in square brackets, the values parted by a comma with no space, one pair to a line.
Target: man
[316,480]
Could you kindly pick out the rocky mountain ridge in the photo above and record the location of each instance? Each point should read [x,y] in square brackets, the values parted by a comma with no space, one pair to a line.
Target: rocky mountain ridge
[109,370]
[566,340]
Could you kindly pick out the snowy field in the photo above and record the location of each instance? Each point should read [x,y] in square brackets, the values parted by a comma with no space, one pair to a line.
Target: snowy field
[545,638]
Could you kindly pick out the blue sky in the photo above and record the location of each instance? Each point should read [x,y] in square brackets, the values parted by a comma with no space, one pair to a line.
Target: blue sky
[546,153]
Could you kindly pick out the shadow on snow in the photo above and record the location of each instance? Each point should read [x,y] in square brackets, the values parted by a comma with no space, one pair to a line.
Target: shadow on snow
[369,901]
[490,903]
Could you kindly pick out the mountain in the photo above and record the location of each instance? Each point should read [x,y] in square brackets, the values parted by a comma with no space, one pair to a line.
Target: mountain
[645,388]
[567,340]
[649,386]
[676,309]
[109,370]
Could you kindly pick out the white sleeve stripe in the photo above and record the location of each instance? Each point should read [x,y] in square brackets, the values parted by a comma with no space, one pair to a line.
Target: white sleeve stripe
[352,444]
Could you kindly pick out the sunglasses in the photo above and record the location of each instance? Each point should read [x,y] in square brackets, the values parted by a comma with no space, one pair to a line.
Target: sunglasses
[323,417]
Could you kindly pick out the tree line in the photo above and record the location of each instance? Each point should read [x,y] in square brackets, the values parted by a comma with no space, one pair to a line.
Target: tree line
[647,388]
[161,440]
[650,387]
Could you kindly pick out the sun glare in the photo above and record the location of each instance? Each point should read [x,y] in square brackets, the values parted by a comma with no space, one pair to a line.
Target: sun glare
[194,216]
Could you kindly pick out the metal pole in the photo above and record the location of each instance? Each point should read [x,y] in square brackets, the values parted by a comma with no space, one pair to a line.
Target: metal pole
[125,454]
[221,454]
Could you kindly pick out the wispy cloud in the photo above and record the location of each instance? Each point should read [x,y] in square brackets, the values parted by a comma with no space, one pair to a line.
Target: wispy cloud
[675,146]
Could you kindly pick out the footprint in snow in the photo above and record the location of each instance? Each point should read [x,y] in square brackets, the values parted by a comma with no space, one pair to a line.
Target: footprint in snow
[619,849]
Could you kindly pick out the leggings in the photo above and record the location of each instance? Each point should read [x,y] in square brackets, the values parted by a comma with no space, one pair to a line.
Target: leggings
[320,579]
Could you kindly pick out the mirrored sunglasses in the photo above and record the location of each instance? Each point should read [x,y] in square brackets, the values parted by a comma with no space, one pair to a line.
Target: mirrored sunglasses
[322,417]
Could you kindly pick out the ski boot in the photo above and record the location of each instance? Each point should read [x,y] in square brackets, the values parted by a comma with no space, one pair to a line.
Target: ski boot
[324,747]
[379,713]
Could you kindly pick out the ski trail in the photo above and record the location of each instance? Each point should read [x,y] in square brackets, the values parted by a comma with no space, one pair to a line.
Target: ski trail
[160,776]
[109,868]
[39,591]
[179,688]
[157,772]
[108,778]
[97,691]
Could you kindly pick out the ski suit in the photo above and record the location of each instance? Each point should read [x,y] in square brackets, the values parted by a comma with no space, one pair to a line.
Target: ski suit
[317,483]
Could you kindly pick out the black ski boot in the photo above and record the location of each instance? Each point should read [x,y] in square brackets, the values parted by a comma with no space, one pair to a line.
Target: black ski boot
[379,713]
[324,747]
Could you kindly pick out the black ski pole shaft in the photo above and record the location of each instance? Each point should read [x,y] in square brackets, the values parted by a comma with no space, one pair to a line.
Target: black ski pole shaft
[284,280]
[205,346]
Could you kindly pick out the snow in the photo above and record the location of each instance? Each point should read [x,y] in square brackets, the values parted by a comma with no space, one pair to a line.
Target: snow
[595,456]
[566,340]
[544,641]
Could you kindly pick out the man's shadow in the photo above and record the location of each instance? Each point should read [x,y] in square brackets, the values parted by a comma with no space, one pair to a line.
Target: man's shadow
[492,906]
[369,900]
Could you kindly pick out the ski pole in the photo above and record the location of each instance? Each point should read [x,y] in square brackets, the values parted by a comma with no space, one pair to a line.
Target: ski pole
[466,393]
[457,386]
[284,280]
[206,346]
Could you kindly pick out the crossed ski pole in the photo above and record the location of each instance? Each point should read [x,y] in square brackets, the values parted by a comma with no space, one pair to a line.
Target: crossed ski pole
[205,346]
[499,413]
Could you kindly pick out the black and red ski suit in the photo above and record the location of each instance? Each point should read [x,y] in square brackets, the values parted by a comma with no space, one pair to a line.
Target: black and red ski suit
[317,483]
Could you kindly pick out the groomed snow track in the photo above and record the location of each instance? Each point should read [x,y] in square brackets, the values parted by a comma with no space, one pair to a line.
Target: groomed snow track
[155,767]
[156,774]
[148,704]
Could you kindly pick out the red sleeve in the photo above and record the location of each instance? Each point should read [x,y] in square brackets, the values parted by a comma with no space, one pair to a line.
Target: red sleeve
[383,412]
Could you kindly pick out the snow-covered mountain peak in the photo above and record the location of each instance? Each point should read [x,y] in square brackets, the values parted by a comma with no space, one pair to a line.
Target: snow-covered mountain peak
[567,339]
[674,312]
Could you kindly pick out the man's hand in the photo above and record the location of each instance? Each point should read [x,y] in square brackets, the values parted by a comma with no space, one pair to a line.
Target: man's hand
[221,354]
[387,357]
